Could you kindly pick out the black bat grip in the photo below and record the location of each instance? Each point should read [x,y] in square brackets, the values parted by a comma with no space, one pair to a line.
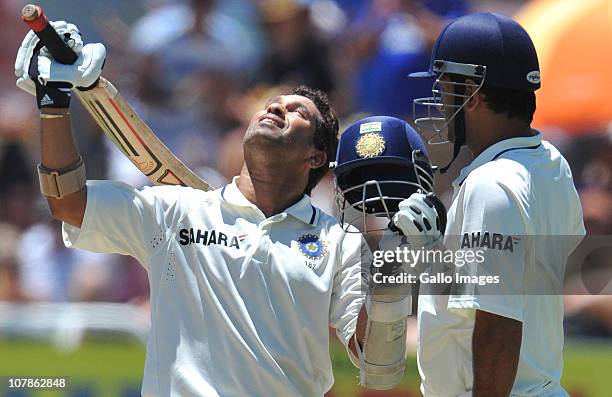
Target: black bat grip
[56,45]
[36,19]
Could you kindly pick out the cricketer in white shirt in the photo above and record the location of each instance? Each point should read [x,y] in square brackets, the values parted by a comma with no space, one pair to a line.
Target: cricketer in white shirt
[517,187]
[240,303]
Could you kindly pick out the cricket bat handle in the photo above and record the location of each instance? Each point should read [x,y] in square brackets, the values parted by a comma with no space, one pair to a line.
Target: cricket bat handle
[34,16]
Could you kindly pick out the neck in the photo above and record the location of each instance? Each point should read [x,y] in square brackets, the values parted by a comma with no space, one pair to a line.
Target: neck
[495,130]
[270,186]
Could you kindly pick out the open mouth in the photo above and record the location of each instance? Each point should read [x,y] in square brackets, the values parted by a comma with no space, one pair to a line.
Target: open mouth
[270,118]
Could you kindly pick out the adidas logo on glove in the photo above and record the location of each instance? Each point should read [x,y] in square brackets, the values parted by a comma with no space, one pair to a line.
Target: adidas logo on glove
[46,100]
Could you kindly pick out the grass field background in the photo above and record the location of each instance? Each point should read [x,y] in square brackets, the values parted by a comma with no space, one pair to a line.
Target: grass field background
[112,367]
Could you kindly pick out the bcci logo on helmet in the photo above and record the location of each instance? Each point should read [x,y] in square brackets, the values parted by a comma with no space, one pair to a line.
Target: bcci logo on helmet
[370,145]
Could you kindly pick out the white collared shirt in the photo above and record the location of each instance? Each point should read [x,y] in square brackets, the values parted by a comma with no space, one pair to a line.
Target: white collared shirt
[240,303]
[514,190]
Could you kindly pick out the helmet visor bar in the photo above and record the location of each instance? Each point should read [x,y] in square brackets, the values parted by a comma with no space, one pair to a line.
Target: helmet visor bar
[463,69]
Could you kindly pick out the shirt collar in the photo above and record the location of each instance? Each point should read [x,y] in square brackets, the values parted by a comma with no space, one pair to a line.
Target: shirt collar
[494,151]
[302,210]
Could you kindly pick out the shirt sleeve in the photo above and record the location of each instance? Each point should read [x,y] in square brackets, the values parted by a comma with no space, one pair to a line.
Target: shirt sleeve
[125,220]
[494,230]
[347,293]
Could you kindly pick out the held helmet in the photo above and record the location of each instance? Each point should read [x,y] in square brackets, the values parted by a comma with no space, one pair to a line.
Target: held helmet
[380,161]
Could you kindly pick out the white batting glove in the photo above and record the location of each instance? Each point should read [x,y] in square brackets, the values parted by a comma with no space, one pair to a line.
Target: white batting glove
[83,73]
[418,220]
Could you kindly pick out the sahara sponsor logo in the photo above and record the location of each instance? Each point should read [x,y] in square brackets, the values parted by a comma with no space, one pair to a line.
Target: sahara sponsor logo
[209,237]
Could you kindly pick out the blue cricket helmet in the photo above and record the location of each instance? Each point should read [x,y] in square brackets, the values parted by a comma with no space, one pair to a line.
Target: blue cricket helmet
[475,49]
[381,161]
[486,41]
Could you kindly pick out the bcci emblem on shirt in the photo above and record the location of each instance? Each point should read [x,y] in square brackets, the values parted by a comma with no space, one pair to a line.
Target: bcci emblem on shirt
[312,248]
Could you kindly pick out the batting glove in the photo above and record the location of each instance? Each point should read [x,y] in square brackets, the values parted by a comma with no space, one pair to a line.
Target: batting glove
[50,81]
[418,220]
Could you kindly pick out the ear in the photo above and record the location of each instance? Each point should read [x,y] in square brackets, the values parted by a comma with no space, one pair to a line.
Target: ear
[475,100]
[317,158]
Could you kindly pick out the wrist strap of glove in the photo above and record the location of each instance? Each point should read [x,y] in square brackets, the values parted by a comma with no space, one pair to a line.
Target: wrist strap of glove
[47,116]
[60,183]
[53,95]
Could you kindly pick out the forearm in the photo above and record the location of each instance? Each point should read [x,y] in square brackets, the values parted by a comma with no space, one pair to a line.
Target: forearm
[360,330]
[496,346]
[58,150]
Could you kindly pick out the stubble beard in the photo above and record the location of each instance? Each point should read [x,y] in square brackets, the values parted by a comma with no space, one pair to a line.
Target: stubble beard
[258,136]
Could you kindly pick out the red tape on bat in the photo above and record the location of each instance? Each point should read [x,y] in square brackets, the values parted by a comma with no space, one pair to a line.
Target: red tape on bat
[39,23]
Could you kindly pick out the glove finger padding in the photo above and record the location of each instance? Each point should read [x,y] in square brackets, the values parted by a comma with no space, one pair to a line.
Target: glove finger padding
[22,63]
[94,58]
[440,210]
[83,73]
[27,85]
[24,54]
[414,217]
[418,219]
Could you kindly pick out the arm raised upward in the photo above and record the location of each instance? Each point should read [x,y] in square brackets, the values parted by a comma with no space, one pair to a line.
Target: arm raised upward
[61,172]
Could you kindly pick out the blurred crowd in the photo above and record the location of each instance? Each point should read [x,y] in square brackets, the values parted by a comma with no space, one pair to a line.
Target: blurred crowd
[196,70]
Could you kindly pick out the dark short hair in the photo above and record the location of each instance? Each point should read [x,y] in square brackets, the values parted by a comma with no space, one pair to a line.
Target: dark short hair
[325,136]
[514,103]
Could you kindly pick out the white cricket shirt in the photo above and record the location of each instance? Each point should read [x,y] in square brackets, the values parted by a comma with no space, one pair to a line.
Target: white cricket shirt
[240,303]
[514,189]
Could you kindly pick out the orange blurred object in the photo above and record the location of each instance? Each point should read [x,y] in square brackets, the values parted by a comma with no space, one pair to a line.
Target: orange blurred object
[574,43]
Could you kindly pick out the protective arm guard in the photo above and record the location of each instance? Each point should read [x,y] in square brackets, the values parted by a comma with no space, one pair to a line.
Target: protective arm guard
[382,357]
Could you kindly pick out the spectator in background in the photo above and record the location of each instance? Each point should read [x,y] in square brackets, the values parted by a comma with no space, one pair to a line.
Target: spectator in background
[389,38]
[588,305]
[597,172]
[195,59]
[597,207]
[17,181]
[228,26]
[9,273]
[17,192]
[297,53]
